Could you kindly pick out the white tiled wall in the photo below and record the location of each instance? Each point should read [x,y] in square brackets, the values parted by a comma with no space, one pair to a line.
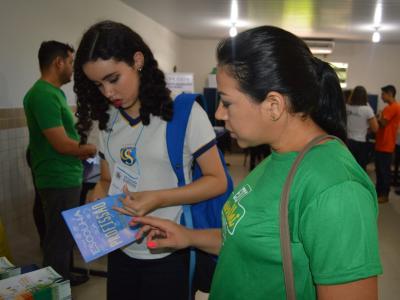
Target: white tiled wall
[16,189]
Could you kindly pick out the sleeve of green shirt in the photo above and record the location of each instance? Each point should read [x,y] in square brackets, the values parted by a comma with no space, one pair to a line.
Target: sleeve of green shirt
[47,111]
[339,233]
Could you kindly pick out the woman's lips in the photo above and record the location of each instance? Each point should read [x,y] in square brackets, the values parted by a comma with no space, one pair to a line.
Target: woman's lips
[231,133]
[117,103]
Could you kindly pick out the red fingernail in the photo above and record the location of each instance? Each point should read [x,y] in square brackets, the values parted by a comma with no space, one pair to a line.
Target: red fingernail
[151,244]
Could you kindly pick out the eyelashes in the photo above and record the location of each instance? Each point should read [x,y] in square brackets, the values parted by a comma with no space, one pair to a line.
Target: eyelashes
[111,80]
[225,103]
[114,79]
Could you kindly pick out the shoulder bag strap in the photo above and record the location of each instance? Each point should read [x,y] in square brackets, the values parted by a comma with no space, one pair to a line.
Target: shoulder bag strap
[284,220]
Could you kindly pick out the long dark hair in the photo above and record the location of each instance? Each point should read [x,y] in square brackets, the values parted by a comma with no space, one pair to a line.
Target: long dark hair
[267,58]
[111,40]
[358,96]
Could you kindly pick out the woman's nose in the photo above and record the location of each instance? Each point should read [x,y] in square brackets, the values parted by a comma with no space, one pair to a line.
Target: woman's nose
[108,91]
[220,113]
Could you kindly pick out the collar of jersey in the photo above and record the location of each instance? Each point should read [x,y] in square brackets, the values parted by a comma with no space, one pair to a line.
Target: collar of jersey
[132,121]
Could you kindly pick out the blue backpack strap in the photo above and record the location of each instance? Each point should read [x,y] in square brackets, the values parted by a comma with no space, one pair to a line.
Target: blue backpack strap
[176,131]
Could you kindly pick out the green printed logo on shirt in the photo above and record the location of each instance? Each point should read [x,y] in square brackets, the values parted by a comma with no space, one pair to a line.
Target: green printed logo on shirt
[233,210]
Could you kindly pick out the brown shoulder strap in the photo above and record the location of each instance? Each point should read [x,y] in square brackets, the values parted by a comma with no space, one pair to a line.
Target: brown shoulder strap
[284,221]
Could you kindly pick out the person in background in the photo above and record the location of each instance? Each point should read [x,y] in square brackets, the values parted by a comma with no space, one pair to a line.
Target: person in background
[346,95]
[385,144]
[55,153]
[360,118]
[396,162]
[118,82]
[274,91]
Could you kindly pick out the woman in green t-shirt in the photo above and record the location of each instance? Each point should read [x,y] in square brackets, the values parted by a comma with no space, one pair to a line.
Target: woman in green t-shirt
[274,91]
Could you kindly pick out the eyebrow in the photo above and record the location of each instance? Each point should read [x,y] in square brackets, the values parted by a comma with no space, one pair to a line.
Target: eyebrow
[108,76]
[220,93]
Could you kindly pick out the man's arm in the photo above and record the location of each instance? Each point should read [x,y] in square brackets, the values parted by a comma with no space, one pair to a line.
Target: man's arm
[63,144]
[382,121]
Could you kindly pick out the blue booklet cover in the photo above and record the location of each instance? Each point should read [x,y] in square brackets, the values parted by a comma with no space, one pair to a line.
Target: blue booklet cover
[98,229]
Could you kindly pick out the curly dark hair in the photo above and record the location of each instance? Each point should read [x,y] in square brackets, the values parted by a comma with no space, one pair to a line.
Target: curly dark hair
[111,40]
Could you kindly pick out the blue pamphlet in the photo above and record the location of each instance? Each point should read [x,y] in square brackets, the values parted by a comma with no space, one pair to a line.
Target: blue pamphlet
[98,229]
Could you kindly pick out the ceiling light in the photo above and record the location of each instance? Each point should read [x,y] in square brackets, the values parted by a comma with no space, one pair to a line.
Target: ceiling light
[234,11]
[233,31]
[320,46]
[234,18]
[378,14]
[320,51]
[376,36]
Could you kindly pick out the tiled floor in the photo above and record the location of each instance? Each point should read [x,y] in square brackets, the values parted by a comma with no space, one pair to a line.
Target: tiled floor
[23,240]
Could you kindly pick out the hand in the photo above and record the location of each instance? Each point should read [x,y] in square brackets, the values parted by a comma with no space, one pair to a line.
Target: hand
[92,196]
[91,150]
[162,233]
[99,191]
[88,150]
[139,203]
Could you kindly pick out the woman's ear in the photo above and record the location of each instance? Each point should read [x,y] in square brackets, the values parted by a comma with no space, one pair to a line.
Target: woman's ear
[274,105]
[138,60]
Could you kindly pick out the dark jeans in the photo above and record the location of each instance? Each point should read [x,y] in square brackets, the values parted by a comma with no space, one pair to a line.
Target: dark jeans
[204,271]
[38,214]
[383,161]
[148,279]
[359,151]
[58,242]
[396,164]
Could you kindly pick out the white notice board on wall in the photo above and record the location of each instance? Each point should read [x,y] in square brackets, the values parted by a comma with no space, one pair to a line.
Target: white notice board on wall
[180,82]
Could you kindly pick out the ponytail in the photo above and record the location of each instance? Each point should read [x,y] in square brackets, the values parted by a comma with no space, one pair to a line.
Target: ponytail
[268,58]
[330,112]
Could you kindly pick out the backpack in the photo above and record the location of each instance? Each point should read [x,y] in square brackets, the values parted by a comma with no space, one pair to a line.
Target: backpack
[207,213]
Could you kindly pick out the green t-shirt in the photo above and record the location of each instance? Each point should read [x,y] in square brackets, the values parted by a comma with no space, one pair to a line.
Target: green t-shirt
[333,221]
[46,107]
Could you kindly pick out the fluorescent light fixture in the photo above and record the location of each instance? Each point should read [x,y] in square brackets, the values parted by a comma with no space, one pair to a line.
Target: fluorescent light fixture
[320,46]
[376,36]
[233,31]
[234,11]
[234,18]
[238,24]
[378,14]
[315,50]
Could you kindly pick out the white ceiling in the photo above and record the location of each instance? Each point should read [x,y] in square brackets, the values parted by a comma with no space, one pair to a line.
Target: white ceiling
[336,19]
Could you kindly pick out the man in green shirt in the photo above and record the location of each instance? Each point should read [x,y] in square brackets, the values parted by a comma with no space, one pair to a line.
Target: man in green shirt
[55,152]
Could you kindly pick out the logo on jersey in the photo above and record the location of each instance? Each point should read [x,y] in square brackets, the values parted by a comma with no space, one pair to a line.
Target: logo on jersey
[234,211]
[128,155]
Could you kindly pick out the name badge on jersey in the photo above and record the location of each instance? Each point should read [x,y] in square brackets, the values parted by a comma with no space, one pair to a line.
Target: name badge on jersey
[123,175]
